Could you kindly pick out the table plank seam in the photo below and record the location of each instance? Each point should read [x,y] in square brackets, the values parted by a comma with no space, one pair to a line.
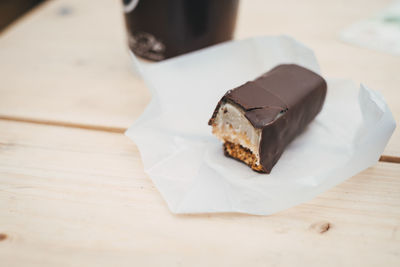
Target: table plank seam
[383,158]
[65,124]
[391,159]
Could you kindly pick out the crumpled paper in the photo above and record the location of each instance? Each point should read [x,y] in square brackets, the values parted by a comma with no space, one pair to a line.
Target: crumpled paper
[382,32]
[186,162]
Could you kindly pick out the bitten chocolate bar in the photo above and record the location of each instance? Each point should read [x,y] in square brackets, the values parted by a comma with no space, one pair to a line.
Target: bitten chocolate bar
[257,120]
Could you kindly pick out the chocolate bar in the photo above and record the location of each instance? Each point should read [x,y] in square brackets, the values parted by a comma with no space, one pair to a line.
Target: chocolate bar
[256,121]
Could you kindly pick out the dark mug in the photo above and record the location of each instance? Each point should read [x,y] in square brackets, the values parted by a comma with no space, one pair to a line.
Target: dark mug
[160,29]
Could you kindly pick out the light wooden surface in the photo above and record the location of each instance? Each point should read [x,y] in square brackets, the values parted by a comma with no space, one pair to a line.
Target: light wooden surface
[78,197]
[74,68]
[72,197]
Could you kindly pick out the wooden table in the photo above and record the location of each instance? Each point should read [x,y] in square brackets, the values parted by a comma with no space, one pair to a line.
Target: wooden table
[72,187]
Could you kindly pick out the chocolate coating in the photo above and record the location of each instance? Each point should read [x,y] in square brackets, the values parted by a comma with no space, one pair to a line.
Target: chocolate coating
[281,103]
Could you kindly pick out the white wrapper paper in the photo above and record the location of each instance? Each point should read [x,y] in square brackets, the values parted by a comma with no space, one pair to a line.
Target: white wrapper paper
[186,162]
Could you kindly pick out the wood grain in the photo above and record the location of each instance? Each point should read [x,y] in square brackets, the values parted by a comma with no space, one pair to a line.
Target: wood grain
[73,68]
[74,197]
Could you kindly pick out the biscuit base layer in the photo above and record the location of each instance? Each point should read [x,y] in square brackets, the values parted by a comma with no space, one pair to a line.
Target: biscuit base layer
[242,154]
